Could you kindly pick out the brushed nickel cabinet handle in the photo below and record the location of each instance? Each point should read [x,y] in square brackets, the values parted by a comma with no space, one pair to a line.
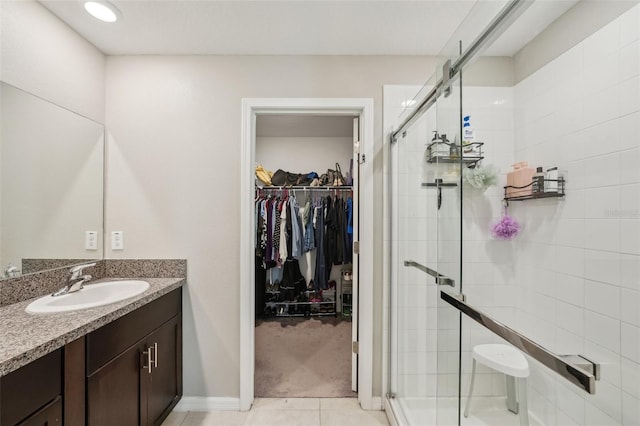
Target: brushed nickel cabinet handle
[147,355]
[155,355]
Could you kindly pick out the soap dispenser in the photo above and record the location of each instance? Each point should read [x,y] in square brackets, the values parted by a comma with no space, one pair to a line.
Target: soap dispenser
[431,145]
[439,147]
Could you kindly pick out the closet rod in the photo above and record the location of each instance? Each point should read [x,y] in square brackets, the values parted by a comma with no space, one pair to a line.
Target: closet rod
[304,188]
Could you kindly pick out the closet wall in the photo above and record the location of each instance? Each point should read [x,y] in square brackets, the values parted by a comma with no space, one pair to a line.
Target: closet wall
[302,144]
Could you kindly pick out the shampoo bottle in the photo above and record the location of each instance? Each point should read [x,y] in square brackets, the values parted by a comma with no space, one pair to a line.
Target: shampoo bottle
[551,185]
[538,181]
[469,148]
[467,131]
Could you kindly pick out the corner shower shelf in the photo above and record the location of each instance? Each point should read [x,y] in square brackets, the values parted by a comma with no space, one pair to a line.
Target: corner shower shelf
[535,195]
[469,160]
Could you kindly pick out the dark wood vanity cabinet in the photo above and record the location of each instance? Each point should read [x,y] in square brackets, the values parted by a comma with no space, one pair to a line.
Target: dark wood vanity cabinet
[128,372]
[134,365]
[32,395]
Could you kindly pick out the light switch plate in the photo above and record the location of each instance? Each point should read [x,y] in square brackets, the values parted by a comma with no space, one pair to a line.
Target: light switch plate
[117,240]
[91,240]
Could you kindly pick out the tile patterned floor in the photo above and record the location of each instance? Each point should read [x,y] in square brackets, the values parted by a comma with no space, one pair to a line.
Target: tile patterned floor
[286,412]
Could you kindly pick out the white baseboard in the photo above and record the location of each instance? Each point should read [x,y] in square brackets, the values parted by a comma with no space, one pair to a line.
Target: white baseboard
[199,403]
[376,403]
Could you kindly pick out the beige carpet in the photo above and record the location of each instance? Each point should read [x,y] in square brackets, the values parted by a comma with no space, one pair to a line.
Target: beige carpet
[303,357]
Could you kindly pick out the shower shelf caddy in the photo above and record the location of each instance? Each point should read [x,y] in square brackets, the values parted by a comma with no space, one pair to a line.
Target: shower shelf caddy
[475,148]
[535,195]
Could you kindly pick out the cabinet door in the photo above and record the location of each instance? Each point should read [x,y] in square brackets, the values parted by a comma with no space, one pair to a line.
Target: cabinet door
[29,388]
[113,391]
[165,381]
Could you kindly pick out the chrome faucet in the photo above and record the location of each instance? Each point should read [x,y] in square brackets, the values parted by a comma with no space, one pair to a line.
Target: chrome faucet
[11,271]
[76,280]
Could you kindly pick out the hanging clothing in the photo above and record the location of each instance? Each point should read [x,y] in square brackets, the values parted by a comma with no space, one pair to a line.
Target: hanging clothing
[308,237]
[321,275]
[296,229]
[347,249]
[268,253]
[349,233]
[283,231]
[262,223]
[276,232]
[333,245]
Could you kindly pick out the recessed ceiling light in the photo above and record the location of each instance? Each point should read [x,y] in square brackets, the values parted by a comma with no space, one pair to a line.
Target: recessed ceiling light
[102,10]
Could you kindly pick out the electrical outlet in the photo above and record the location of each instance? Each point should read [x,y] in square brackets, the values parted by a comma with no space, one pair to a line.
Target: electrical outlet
[117,240]
[91,240]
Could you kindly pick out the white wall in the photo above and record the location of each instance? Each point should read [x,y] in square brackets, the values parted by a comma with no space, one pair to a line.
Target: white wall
[173,161]
[304,154]
[577,23]
[578,259]
[43,56]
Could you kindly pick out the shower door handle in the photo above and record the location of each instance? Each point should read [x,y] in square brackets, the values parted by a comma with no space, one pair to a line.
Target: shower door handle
[440,279]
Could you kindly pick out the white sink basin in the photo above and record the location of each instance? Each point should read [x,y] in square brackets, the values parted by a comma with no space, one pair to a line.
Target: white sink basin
[90,296]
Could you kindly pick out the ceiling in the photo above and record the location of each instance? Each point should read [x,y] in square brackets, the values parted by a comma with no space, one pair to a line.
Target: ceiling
[298,27]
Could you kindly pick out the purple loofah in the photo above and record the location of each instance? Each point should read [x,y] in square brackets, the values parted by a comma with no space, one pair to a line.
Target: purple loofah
[507,228]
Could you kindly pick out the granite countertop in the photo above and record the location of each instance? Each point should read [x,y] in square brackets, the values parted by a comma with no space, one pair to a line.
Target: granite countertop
[26,337]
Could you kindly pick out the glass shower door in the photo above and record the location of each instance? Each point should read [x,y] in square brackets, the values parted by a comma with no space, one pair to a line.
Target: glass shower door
[448,168]
[425,255]
[413,308]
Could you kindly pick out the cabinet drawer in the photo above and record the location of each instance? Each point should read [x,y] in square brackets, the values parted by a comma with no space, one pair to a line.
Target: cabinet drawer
[107,342]
[30,388]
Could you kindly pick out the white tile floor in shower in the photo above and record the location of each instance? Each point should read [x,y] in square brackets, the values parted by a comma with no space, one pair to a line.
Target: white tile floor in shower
[286,412]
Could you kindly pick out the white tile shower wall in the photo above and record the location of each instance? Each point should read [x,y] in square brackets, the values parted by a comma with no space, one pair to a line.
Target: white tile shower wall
[416,314]
[578,259]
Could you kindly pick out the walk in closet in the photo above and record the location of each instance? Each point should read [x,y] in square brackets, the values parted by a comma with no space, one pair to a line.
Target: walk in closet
[303,258]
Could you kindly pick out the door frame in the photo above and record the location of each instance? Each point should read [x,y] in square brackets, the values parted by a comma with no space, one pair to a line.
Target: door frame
[363,108]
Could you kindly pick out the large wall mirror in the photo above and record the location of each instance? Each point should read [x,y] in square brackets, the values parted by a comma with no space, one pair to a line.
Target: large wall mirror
[51,185]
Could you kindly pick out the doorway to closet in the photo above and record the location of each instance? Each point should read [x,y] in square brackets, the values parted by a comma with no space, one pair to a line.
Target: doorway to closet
[304,334]
[304,255]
